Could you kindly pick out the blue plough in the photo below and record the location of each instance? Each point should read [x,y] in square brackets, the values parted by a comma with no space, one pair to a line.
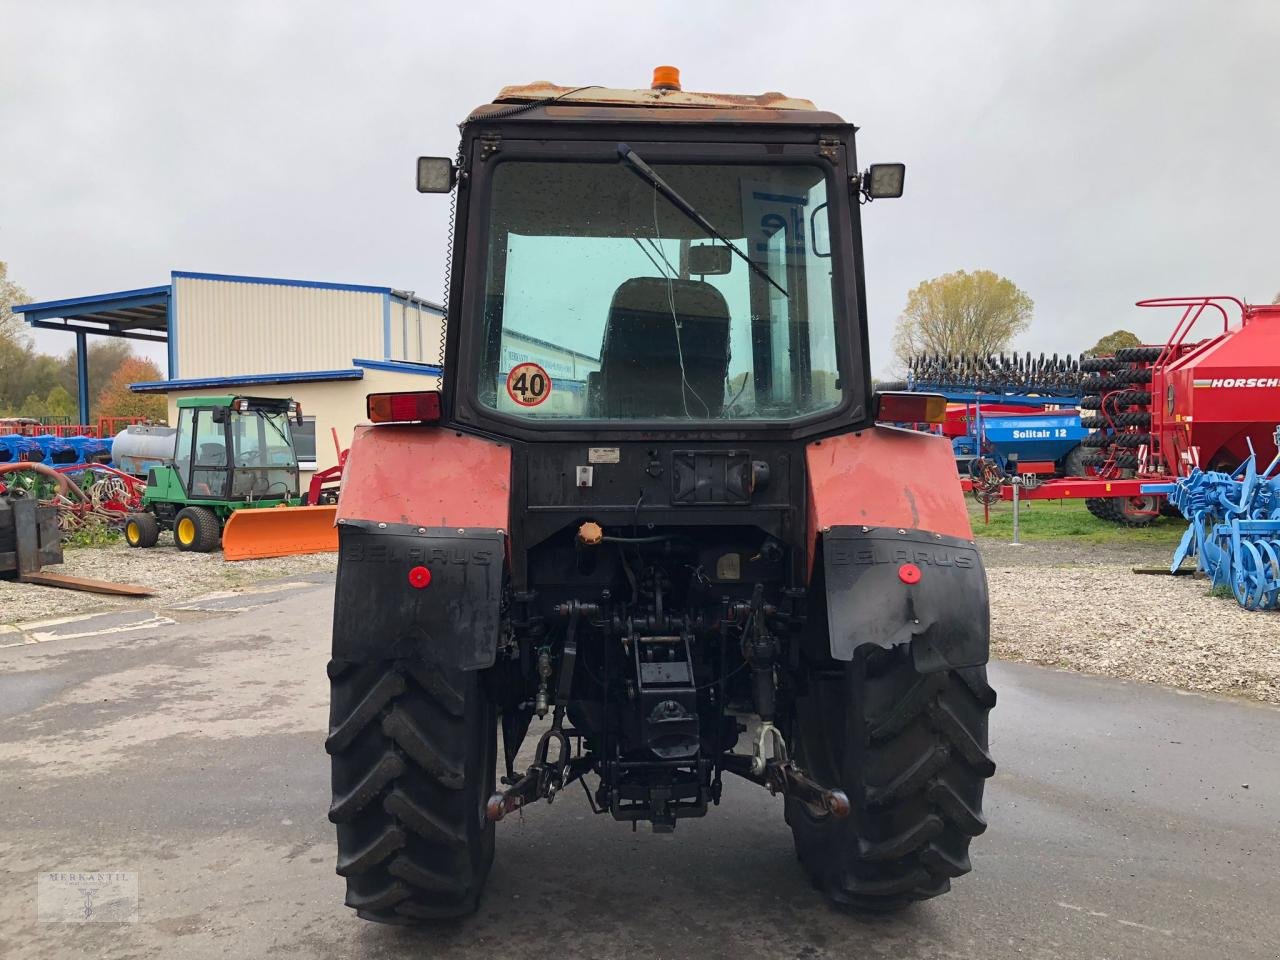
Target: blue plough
[1234,532]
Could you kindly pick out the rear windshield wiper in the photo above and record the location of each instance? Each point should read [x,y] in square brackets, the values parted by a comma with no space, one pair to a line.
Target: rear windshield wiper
[636,163]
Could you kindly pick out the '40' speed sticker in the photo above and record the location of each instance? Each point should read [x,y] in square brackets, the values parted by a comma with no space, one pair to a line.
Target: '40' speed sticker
[528,384]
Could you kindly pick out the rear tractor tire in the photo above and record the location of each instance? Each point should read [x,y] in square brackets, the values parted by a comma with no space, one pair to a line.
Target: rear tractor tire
[413,750]
[141,530]
[197,530]
[910,750]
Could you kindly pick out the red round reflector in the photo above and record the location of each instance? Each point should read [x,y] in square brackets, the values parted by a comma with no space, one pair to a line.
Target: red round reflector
[419,577]
[909,573]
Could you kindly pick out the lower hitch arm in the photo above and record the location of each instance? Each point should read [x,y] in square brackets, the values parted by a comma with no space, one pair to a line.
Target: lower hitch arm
[783,776]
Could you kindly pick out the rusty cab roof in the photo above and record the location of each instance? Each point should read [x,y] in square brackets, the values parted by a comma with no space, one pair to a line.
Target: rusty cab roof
[543,100]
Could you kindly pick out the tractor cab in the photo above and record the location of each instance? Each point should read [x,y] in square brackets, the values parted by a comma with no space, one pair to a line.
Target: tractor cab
[641,260]
[232,455]
[236,449]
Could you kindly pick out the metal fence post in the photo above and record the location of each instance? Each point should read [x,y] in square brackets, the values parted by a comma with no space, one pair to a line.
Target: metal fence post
[1016,487]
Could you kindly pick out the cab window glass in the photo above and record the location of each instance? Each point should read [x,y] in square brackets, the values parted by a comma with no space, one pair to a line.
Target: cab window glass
[603,301]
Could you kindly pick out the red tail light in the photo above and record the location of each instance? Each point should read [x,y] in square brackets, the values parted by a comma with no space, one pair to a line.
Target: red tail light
[910,408]
[420,407]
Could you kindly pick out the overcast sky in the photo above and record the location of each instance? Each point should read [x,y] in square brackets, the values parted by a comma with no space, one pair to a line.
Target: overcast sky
[1094,153]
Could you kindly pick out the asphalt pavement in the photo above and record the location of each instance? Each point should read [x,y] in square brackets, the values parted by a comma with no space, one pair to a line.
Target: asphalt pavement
[186,747]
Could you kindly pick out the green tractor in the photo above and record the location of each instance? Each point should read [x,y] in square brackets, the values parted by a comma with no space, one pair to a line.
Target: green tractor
[230,453]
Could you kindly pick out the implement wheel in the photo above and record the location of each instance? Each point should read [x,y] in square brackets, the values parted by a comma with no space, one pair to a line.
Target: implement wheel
[910,750]
[197,529]
[1073,463]
[141,530]
[413,749]
[1101,508]
[1139,511]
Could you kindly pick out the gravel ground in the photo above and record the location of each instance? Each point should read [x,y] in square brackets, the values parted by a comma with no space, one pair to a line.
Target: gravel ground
[1080,606]
[173,575]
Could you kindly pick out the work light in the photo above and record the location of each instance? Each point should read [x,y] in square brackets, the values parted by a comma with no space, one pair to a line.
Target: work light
[882,180]
[435,174]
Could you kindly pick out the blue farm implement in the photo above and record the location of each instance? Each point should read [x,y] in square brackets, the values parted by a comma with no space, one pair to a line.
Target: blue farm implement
[1036,442]
[91,449]
[1234,532]
[1008,414]
[57,451]
[54,451]
[18,449]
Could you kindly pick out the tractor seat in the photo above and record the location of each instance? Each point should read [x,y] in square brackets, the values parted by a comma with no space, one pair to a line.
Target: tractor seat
[212,455]
[640,355]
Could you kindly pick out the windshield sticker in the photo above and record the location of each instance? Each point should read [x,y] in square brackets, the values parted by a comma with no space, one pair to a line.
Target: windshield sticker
[528,384]
[765,212]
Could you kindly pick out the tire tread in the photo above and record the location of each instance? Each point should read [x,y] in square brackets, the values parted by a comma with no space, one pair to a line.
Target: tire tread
[914,762]
[411,770]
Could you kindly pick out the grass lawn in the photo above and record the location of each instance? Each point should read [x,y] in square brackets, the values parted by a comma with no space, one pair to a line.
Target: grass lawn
[1040,520]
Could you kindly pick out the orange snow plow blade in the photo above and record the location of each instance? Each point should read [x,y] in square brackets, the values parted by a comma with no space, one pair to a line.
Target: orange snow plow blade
[255,533]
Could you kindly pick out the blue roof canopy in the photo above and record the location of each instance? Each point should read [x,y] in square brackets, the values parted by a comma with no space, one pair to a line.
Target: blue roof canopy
[134,314]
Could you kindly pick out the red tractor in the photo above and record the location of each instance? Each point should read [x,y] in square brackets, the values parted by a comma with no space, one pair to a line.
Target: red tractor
[650,516]
[1159,411]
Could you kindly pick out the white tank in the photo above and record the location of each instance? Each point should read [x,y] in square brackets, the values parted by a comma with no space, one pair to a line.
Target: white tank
[139,447]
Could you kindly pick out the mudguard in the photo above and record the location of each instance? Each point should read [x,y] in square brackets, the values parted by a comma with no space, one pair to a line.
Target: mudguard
[889,586]
[422,521]
[892,551]
[385,608]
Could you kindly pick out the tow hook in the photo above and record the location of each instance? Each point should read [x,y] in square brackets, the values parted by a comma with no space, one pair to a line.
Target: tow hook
[541,781]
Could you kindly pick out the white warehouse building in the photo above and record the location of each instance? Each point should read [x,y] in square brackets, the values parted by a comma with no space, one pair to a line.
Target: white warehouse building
[325,345]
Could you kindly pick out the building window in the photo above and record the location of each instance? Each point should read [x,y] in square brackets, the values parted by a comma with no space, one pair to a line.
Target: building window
[304,443]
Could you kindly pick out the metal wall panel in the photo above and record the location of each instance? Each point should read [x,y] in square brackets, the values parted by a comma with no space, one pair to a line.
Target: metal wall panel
[228,328]
[415,333]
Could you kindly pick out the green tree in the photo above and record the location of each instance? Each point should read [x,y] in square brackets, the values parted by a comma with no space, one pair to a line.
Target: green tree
[15,345]
[33,406]
[104,358]
[11,295]
[117,400]
[60,403]
[1112,342]
[961,312]
[24,372]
